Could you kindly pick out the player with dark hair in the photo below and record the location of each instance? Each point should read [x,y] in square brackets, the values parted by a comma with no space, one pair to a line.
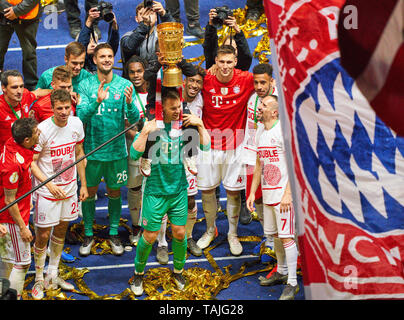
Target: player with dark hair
[106,101]
[60,144]
[166,188]
[264,85]
[15,181]
[75,55]
[225,96]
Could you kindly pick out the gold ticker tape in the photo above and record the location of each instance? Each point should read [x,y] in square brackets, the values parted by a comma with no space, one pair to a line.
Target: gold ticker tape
[251,28]
[158,284]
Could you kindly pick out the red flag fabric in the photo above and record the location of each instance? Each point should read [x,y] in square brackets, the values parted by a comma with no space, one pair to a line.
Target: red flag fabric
[348,161]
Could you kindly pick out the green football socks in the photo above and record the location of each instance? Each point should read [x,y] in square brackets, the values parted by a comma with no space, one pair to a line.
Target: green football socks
[143,250]
[179,253]
[88,209]
[114,211]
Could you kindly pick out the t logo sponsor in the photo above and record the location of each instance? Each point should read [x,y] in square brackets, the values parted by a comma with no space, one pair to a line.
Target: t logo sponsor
[217,101]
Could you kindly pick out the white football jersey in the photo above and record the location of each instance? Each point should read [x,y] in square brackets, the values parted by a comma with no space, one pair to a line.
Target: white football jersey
[249,153]
[196,106]
[274,175]
[57,150]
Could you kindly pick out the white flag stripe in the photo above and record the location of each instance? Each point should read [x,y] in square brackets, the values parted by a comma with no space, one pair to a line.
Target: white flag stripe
[375,280]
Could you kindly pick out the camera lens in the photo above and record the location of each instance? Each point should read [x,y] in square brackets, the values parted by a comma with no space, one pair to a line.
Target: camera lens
[108,17]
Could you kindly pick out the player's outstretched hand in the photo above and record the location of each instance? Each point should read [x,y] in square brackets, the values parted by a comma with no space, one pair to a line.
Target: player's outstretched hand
[101,93]
[128,94]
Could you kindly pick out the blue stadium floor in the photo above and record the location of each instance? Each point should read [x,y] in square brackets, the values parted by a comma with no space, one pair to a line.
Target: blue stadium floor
[108,275]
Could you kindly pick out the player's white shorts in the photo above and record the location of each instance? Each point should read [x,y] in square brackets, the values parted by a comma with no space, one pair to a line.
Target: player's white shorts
[222,166]
[135,177]
[15,250]
[281,223]
[192,183]
[49,213]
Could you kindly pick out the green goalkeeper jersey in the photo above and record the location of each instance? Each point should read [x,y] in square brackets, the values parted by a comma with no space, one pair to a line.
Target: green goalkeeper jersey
[167,175]
[106,119]
[45,79]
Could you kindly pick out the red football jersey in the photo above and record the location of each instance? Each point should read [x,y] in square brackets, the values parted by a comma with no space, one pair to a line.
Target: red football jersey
[7,116]
[42,109]
[15,173]
[225,108]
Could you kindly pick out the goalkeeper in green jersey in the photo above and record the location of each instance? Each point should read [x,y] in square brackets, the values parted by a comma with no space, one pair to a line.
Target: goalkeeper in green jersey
[106,99]
[165,190]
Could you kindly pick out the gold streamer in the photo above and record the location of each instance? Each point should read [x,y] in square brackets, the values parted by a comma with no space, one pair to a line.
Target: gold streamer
[159,284]
[45,3]
[251,28]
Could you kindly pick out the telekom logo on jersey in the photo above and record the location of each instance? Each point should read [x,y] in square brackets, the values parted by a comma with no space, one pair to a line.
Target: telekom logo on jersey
[218,100]
[65,150]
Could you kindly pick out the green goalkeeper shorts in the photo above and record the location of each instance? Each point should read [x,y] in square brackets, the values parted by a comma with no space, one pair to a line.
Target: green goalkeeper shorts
[155,207]
[115,173]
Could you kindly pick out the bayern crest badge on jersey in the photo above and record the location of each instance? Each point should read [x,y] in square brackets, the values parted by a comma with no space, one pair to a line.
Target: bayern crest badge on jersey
[346,162]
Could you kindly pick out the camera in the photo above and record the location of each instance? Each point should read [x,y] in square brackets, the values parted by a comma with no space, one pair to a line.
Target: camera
[3,20]
[105,9]
[148,3]
[222,14]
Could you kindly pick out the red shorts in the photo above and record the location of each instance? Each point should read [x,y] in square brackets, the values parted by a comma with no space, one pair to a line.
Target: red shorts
[258,193]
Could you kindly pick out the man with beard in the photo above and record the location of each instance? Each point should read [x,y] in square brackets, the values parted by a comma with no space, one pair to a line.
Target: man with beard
[14,102]
[106,100]
[15,181]
[278,213]
[264,85]
[193,102]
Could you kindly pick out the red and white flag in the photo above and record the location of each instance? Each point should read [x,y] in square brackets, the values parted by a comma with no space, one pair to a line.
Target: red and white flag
[340,78]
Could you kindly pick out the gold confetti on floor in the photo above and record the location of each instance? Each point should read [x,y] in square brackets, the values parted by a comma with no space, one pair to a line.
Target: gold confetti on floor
[159,284]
